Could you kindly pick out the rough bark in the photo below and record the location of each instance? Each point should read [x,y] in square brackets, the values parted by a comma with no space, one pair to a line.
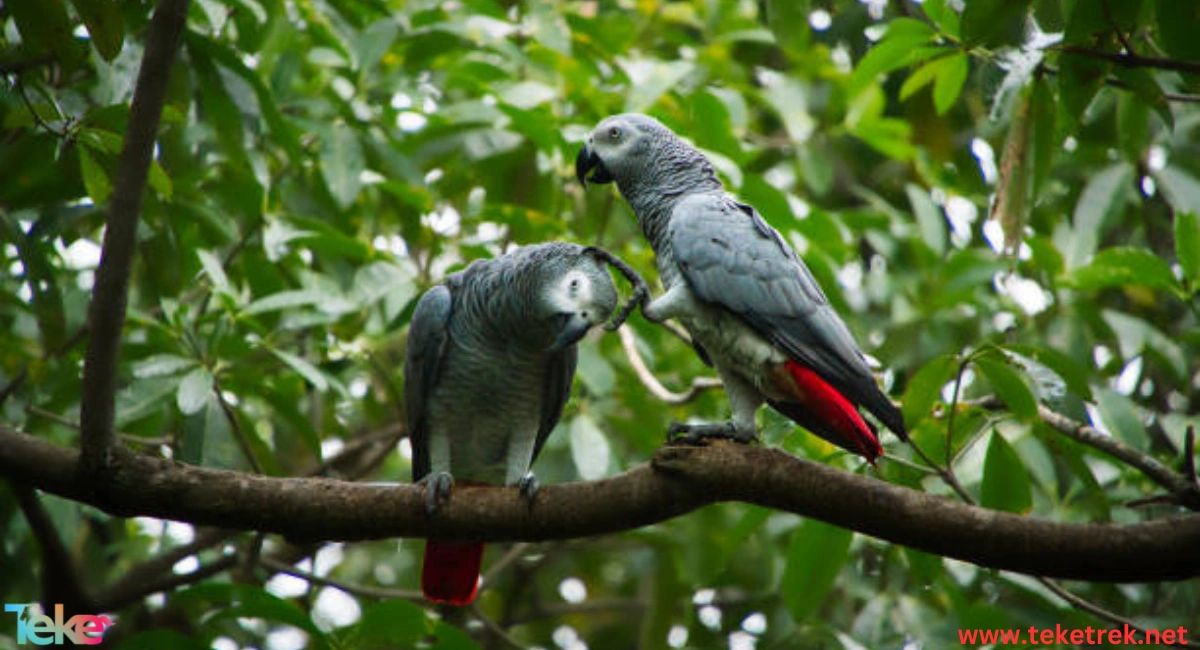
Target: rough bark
[678,480]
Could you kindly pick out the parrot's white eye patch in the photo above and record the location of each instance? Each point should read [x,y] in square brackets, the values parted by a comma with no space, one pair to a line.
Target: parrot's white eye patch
[571,293]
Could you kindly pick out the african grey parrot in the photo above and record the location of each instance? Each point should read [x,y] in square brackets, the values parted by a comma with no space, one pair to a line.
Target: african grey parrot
[488,368]
[750,304]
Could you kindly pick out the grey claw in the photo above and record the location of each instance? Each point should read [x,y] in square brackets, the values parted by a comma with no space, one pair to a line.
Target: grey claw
[528,487]
[437,490]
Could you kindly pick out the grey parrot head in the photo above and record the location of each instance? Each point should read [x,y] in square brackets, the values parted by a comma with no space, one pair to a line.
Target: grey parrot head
[576,294]
[644,158]
[623,147]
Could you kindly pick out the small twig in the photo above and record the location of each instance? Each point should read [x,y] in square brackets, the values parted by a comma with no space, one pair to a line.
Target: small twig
[925,469]
[495,628]
[699,384]
[165,582]
[1189,455]
[508,558]
[1088,606]
[125,437]
[363,591]
[37,118]
[1182,98]
[1133,60]
[146,578]
[1154,500]
[15,67]
[1116,28]
[1187,492]
[236,427]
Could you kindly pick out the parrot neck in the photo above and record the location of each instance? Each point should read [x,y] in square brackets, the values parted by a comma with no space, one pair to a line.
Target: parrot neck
[678,171]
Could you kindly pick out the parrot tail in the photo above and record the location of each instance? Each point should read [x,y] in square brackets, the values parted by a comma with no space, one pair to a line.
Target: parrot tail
[451,571]
[820,408]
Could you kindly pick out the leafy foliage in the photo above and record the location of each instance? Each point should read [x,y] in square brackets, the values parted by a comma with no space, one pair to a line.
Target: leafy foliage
[322,163]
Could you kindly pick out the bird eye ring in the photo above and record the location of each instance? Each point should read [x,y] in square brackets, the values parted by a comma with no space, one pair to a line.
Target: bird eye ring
[614,134]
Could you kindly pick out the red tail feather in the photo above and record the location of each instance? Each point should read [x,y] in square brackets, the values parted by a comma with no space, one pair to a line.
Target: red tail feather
[451,571]
[835,412]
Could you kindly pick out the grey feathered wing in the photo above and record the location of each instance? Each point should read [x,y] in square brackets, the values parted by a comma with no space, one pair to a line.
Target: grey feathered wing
[557,391]
[731,257]
[428,335]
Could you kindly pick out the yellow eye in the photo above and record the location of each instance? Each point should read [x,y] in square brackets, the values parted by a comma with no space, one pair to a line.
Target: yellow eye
[614,134]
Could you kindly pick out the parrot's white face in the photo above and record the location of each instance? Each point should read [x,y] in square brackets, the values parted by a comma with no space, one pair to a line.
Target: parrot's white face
[578,300]
[576,294]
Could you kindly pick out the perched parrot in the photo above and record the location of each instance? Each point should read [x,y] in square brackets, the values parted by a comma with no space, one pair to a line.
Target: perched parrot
[751,306]
[488,368]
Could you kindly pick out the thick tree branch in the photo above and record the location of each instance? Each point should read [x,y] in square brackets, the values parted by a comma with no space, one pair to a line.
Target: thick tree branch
[106,313]
[680,480]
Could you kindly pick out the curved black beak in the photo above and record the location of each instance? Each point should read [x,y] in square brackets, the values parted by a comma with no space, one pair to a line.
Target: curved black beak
[585,162]
[572,327]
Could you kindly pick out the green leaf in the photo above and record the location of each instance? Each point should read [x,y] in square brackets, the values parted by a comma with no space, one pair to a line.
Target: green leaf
[589,448]
[1073,373]
[160,365]
[143,398]
[929,219]
[194,391]
[1121,418]
[1079,79]
[1136,336]
[897,49]
[1177,20]
[944,16]
[920,78]
[247,601]
[651,79]
[951,75]
[45,27]
[1010,386]
[288,300]
[1145,87]
[1180,188]
[392,624]
[451,638]
[1006,484]
[1102,199]
[307,370]
[1124,266]
[214,270]
[105,25]
[1187,247]
[788,20]
[1046,139]
[95,178]
[342,163]
[159,181]
[814,560]
[993,22]
[925,387]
